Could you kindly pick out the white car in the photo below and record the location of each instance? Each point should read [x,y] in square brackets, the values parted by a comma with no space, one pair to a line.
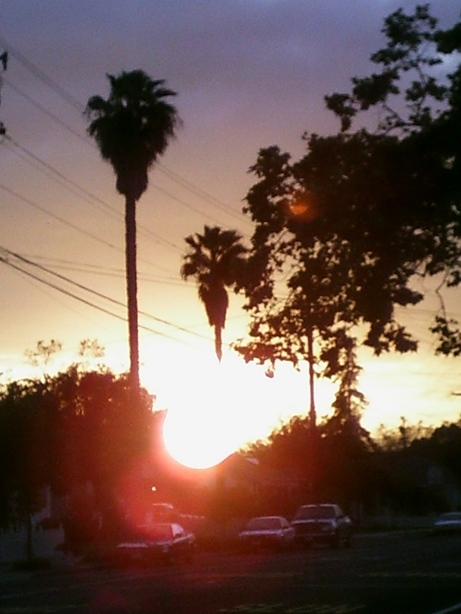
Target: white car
[165,542]
[274,532]
[450,522]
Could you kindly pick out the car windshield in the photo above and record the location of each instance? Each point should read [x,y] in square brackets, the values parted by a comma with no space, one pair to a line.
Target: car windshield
[162,512]
[160,532]
[315,511]
[451,516]
[263,524]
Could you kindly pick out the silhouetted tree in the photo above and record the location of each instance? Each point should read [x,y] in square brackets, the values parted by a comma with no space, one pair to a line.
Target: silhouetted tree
[216,259]
[67,431]
[43,352]
[346,228]
[132,128]
[27,450]
[422,108]
[349,402]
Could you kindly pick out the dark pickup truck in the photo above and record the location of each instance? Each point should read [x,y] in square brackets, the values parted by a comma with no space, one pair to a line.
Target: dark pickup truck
[325,523]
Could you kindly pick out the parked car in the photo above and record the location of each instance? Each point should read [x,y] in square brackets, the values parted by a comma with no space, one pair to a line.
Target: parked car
[323,523]
[273,532]
[162,512]
[450,522]
[164,542]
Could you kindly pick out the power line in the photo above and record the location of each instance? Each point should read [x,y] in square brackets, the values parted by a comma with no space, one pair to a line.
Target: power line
[200,192]
[95,237]
[37,72]
[88,196]
[59,218]
[54,174]
[63,179]
[87,289]
[44,110]
[42,76]
[96,269]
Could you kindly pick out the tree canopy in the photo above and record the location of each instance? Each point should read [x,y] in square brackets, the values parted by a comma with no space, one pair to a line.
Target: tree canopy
[62,431]
[342,233]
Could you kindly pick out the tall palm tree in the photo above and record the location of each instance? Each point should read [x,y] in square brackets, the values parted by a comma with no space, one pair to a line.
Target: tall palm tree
[132,128]
[216,259]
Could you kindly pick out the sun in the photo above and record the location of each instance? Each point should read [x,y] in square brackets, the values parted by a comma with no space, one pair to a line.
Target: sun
[196,440]
[202,428]
[213,409]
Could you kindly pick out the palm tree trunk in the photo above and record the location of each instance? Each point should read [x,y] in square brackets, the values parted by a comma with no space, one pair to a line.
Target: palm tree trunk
[218,341]
[132,289]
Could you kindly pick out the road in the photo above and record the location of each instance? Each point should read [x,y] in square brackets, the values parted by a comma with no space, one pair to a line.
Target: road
[391,573]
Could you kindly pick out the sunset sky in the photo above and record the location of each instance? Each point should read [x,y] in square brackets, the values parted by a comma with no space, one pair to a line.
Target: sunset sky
[249,74]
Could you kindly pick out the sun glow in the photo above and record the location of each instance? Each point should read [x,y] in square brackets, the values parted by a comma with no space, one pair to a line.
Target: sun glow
[203,424]
[215,409]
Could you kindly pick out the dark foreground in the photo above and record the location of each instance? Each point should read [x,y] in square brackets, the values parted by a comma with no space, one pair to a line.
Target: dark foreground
[390,573]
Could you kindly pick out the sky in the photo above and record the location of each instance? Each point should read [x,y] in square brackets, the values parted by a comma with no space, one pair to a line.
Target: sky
[248,74]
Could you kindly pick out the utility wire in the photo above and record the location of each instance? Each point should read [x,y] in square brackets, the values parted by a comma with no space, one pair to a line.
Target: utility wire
[76,104]
[74,226]
[44,110]
[41,75]
[59,218]
[159,166]
[79,107]
[90,290]
[95,269]
[53,173]
[88,196]
[200,192]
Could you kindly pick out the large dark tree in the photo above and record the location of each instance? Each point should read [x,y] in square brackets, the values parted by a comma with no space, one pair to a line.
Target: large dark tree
[216,259]
[132,128]
[68,431]
[27,437]
[347,228]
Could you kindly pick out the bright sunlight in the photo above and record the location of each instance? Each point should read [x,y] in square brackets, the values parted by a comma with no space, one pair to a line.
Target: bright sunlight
[215,409]
[205,422]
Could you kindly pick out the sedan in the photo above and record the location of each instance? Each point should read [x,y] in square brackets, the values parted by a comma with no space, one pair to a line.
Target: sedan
[165,542]
[450,522]
[273,532]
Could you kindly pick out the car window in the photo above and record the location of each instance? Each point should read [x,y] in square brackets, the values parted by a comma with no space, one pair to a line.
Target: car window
[161,531]
[450,516]
[178,531]
[261,524]
[312,512]
[162,512]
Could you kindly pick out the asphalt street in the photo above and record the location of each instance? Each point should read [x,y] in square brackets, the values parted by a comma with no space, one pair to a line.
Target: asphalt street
[389,573]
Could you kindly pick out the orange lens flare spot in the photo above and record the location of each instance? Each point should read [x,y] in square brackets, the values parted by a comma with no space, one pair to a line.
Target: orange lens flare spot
[304,209]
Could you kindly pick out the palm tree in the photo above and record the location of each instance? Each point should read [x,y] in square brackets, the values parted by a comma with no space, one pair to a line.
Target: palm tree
[216,259]
[132,128]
